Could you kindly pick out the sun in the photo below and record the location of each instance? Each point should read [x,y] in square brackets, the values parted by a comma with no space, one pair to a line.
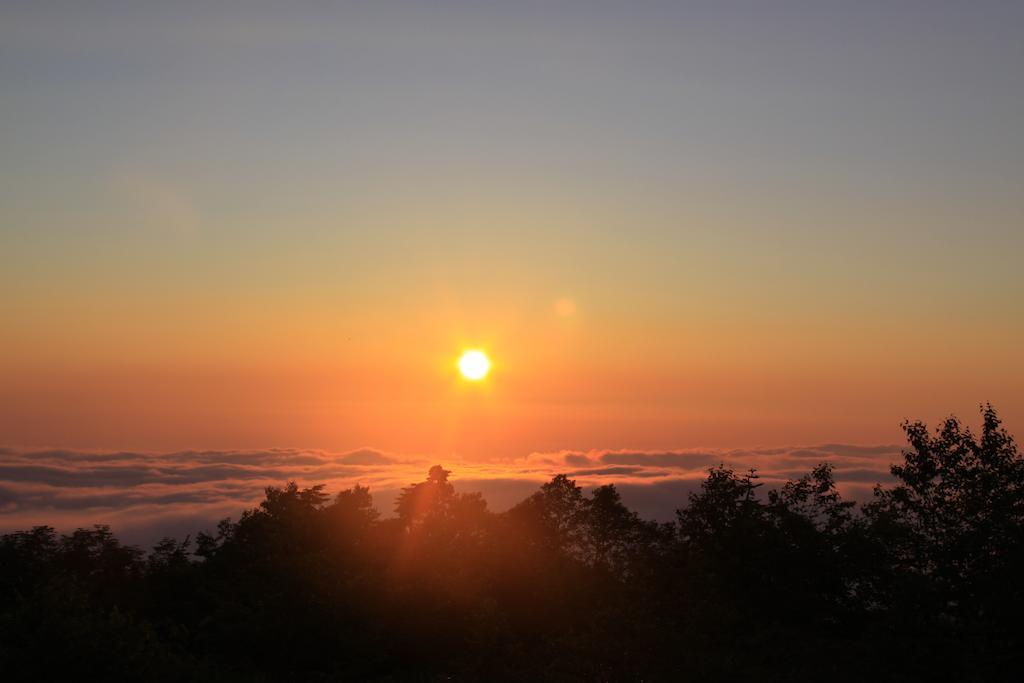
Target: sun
[474,365]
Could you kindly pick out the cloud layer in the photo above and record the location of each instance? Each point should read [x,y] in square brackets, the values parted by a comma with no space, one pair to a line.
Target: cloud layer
[146,495]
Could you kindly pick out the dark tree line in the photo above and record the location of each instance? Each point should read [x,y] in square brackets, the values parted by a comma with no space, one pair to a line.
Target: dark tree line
[922,582]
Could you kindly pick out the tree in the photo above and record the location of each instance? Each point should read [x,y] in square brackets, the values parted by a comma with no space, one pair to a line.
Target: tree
[615,538]
[725,506]
[954,523]
[432,497]
[554,517]
[813,500]
[350,517]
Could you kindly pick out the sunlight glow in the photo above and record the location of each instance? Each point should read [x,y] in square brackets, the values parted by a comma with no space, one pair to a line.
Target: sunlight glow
[474,365]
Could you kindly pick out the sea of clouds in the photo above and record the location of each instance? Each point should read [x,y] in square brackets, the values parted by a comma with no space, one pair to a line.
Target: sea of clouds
[145,496]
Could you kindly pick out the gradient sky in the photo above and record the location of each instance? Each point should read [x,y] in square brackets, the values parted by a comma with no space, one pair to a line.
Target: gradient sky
[672,225]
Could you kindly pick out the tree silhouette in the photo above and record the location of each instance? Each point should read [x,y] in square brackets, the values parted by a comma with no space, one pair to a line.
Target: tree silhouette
[432,497]
[952,532]
[790,583]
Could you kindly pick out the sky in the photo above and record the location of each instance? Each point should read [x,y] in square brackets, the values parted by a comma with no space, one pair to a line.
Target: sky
[725,227]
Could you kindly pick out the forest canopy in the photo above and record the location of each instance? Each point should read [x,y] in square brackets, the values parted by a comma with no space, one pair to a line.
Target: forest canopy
[921,580]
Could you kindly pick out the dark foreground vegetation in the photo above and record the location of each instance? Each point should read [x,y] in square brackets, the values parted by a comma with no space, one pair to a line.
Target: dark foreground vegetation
[924,582]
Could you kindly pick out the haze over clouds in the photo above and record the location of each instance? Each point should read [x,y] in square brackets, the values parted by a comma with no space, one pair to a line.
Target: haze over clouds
[146,495]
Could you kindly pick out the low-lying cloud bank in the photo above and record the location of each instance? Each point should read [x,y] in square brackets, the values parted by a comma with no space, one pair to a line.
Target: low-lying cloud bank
[144,496]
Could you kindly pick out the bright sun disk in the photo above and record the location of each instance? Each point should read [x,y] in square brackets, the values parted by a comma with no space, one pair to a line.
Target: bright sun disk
[474,365]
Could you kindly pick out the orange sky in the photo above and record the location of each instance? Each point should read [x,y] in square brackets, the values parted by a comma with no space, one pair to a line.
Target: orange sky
[576,383]
[669,228]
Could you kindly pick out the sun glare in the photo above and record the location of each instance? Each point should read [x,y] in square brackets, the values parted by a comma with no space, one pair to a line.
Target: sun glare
[474,365]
